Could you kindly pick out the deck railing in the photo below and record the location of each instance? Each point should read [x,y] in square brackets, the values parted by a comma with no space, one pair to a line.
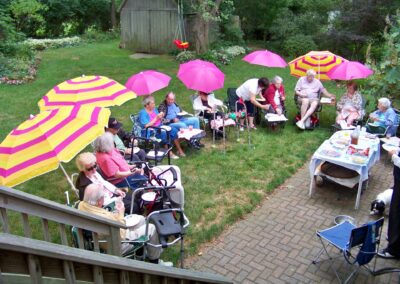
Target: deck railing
[41,258]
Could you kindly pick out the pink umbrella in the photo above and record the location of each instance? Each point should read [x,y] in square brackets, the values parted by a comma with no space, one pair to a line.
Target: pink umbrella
[147,82]
[265,58]
[201,75]
[349,70]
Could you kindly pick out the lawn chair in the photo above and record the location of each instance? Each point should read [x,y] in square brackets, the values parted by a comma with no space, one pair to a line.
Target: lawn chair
[383,131]
[149,142]
[346,237]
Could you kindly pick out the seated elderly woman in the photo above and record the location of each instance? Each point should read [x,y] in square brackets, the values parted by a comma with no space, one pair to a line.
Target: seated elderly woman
[384,117]
[93,202]
[205,105]
[86,163]
[349,107]
[274,95]
[113,165]
[149,116]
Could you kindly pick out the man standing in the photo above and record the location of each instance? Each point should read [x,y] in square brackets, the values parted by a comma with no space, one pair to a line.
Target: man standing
[393,248]
[247,92]
[308,89]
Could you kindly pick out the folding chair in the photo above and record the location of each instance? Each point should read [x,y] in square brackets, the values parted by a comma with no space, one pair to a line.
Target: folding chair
[345,237]
[150,143]
[314,118]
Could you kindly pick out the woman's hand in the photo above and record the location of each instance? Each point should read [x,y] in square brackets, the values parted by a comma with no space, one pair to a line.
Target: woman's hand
[160,115]
[120,192]
[392,152]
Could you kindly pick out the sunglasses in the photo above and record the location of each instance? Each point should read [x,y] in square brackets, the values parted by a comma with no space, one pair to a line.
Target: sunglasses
[91,168]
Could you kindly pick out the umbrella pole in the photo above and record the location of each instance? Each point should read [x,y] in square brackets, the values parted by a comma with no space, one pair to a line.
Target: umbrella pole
[213,130]
[237,123]
[247,125]
[68,178]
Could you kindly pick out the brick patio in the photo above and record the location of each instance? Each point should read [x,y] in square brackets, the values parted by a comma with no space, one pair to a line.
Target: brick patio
[277,242]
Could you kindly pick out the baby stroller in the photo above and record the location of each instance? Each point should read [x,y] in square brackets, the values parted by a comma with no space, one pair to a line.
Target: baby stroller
[313,120]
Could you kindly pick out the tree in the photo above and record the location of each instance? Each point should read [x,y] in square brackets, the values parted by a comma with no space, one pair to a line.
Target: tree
[386,80]
[357,23]
[207,11]
[28,15]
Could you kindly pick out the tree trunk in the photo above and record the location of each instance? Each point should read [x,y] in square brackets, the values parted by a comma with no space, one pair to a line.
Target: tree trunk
[113,15]
[200,34]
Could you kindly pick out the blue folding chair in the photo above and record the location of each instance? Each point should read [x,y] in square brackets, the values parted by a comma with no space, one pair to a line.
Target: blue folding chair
[348,238]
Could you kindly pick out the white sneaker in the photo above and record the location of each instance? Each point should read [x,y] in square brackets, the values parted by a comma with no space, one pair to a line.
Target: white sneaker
[165,263]
[300,125]
[241,128]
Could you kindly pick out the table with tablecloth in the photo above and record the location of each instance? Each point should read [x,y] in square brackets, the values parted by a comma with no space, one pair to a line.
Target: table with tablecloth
[336,153]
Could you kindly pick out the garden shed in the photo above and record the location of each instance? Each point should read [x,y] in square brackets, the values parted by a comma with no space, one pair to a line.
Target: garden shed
[150,26]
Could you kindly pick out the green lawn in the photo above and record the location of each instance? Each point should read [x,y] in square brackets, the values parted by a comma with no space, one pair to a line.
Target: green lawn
[220,188]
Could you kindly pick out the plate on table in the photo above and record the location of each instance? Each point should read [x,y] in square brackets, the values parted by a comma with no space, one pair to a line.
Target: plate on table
[359,159]
[340,143]
[182,113]
[389,147]
[330,153]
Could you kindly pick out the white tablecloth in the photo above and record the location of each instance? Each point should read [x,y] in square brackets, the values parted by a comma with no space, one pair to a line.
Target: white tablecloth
[345,160]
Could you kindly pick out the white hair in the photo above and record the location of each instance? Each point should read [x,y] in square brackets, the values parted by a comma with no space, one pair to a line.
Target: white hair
[104,143]
[277,79]
[311,72]
[385,102]
[147,100]
[93,193]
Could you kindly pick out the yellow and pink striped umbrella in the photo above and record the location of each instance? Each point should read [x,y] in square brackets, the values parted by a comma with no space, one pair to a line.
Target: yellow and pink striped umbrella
[39,144]
[97,91]
[320,61]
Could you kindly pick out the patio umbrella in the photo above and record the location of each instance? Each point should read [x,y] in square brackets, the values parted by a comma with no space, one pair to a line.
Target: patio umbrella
[201,75]
[89,90]
[39,144]
[147,82]
[320,61]
[349,70]
[265,58]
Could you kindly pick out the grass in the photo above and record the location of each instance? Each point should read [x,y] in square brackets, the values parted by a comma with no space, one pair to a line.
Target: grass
[220,187]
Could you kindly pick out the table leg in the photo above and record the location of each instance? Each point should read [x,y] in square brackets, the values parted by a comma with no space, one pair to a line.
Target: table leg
[358,193]
[311,191]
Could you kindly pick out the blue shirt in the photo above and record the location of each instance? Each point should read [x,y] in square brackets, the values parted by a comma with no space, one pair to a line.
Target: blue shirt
[173,111]
[387,119]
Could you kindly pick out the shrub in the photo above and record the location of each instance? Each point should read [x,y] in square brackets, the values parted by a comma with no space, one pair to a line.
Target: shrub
[185,56]
[16,71]
[92,34]
[16,49]
[297,45]
[41,44]
[235,50]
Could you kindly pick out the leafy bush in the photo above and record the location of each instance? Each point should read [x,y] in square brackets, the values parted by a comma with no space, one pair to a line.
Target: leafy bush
[297,45]
[16,71]
[386,80]
[235,50]
[92,34]
[41,44]
[185,56]
[17,50]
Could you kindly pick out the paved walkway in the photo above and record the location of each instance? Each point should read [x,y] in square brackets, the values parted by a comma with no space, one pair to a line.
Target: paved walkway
[277,242]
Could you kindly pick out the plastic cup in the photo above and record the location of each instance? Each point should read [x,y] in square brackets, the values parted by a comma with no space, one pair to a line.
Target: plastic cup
[190,127]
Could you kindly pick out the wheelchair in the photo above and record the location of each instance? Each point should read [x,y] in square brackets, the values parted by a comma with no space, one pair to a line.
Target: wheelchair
[313,121]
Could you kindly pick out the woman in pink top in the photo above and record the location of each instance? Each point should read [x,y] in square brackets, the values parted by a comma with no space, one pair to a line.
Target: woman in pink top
[114,167]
